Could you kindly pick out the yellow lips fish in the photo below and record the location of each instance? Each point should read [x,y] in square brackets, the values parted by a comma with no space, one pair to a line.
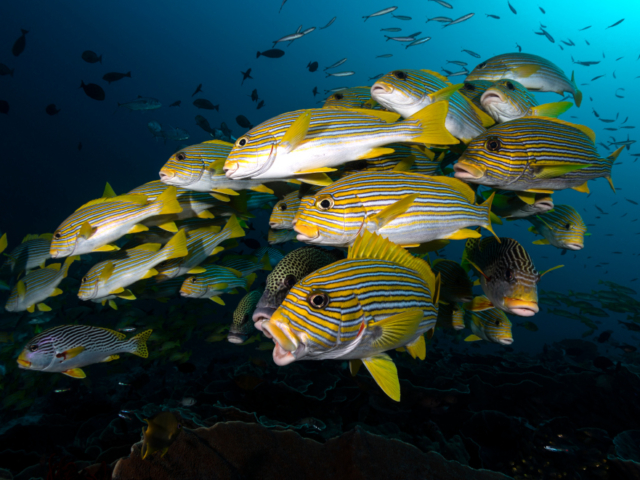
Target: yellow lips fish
[562,227]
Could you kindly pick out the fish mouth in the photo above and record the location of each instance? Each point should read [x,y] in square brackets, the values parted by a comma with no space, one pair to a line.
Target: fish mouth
[237,338]
[505,341]
[381,89]
[166,175]
[466,171]
[306,232]
[230,168]
[276,225]
[23,362]
[288,347]
[524,308]
[574,246]
[492,96]
[261,315]
[545,204]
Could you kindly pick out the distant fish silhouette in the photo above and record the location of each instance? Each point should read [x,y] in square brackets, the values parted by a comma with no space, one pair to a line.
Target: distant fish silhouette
[205,104]
[243,121]
[312,66]
[271,53]
[91,57]
[18,46]
[93,91]
[115,76]
[198,89]
[4,70]
[246,75]
[176,103]
[51,109]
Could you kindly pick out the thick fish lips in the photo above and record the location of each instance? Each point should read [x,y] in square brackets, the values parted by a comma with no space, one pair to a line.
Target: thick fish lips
[465,170]
[575,245]
[306,231]
[260,315]
[491,96]
[544,204]
[522,307]
[22,360]
[505,340]
[289,347]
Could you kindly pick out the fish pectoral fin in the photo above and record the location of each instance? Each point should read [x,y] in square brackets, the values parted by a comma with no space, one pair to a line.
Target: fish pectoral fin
[375,153]
[584,188]
[205,214]
[495,218]
[75,373]
[532,229]
[354,366]
[196,270]
[71,353]
[320,179]
[398,329]
[22,288]
[315,170]
[262,189]
[542,241]
[527,197]
[138,228]
[217,300]
[553,171]
[152,272]
[56,292]
[222,198]
[42,307]
[111,358]
[148,247]
[418,349]
[445,93]
[478,304]
[385,373]
[405,164]
[31,308]
[295,134]
[106,248]
[86,230]
[117,291]
[226,191]
[391,212]
[553,109]
[126,294]
[463,234]
[113,304]
[528,70]
[169,227]
[107,272]
[472,338]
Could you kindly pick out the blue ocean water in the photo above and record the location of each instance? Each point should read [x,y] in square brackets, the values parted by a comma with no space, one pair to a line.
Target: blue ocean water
[171,47]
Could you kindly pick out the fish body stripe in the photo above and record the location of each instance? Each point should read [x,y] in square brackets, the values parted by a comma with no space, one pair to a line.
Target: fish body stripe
[66,337]
[197,159]
[29,255]
[284,211]
[203,284]
[39,284]
[492,257]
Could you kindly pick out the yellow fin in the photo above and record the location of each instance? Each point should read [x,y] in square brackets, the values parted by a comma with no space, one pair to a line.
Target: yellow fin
[107,272]
[108,192]
[126,294]
[86,230]
[296,132]
[583,128]
[427,247]
[220,142]
[111,358]
[485,119]
[176,247]
[234,228]
[389,117]
[490,216]
[250,279]
[31,308]
[354,366]
[543,241]
[196,270]
[553,171]
[43,307]
[459,186]
[431,118]
[75,373]
[221,198]
[472,338]
[527,197]
[151,273]
[216,250]
[477,283]
[168,201]
[375,153]
[113,304]
[205,214]
[226,191]
[445,93]
[320,179]
[106,248]
[148,247]
[56,292]
[217,300]
[550,270]
[478,304]
[391,212]
[532,229]
[405,164]
[262,189]
[397,329]
[54,266]
[315,170]
[527,70]
[169,227]
[553,109]
[463,234]
[217,166]
[418,349]
[117,291]
[71,353]
[584,188]
[4,243]
[384,372]
[138,228]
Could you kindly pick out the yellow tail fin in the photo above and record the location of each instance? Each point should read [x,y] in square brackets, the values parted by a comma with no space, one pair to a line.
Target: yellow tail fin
[487,204]
[168,201]
[139,342]
[431,118]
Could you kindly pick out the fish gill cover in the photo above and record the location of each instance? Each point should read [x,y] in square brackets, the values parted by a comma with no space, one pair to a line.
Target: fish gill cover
[147,151]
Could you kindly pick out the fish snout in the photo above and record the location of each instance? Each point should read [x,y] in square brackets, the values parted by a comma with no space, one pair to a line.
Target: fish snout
[574,245]
[545,204]
[492,95]
[237,338]
[466,171]
[22,361]
[261,315]
[524,308]
[505,341]
[230,168]
[166,174]
[380,88]
[306,232]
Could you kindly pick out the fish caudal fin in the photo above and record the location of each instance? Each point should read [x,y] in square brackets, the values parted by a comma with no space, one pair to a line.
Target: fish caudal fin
[176,247]
[553,110]
[431,119]
[67,263]
[612,158]
[577,94]
[168,201]
[487,205]
[138,344]
[385,373]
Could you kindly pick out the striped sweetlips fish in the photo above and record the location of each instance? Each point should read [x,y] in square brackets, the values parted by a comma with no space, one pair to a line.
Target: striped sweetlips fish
[201,244]
[491,325]
[275,237]
[67,348]
[96,224]
[111,277]
[379,298]
[242,326]
[507,100]
[561,227]
[534,72]
[284,210]
[290,270]
[354,97]
[455,285]
[30,254]
[36,286]
[306,144]
[534,155]
[213,282]
[407,208]
[408,91]
[199,168]
[508,205]
[450,316]
[473,90]
[405,158]
[508,276]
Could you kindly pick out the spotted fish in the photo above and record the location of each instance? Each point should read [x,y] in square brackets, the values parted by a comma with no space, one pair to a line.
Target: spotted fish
[242,325]
[561,227]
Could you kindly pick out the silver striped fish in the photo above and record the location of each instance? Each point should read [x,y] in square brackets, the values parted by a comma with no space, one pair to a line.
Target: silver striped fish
[67,348]
[111,277]
[491,325]
[213,282]
[33,252]
[242,325]
[405,158]
[284,210]
[37,286]
[507,204]
[534,72]
[473,90]
[378,299]
[408,91]
[407,208]
[275,237]
[561,227]
[306,144]
[354,97]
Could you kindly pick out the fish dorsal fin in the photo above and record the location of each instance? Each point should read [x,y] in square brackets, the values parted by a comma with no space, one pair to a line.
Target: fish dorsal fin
[137,198]
[389,117]
[119,335]
[583,128]
[46,236]
[439,76]
[373,246]
[459,186]
[54,266]
[216,166]
[220,142]
[296,132]
[148,247]
[29,237]
[108,192]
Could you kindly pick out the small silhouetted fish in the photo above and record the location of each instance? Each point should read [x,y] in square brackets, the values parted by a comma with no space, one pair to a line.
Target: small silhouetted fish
[243,121]
[260,105]
[602,363]
[186,367]
[4,70]
[205,104]
[271,53]
[203,123]
[492,16]
[91,57]
[251,243]
[473,54]
[176,103]
[51,109]
[312,66]
[585,28]
[329,24]
[617,23]
[511,8]
[542,9]
[4,106]
[92,90]
[254,95]
[631,201]
[401,17]
[315,91]
[79,146]
[198,89]
[519,48]
[115,76]
[246,75]
[604,336]
[18,46]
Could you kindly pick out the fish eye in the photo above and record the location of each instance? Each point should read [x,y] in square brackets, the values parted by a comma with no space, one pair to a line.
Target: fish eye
[84,279]
[338,96]
[469,87]
[242,142]
[493,144]
[400,75]
[325,202]
[57,235]
[193,279]
[282,207]
[181,156]
[498,323]
[289,281]
[318,300]
[33,348]
[567,226]
[510,86]
[508,274]
[482,65]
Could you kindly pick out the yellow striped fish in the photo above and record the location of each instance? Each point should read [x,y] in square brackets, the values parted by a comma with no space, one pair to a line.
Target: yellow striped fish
[450,316]
[213,282]
[534,72]
[407,208]
[535,155]
[95,225]
[473,90]
[561,227]
[490,325]
[199,168]
[306,144]
[284,210]
[37,286]
[31,253]
[111,277]
[67,348]
[201,243]
[507,100]
[378,299]
[242,325]
[408,91]
[354,97]
[274,237]
[405,158]
[508,205]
